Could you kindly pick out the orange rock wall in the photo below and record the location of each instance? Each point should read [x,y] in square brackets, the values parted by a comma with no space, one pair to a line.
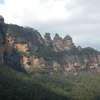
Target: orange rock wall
[21,47]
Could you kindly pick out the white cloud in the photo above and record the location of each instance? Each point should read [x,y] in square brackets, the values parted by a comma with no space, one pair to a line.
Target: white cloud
[77,18]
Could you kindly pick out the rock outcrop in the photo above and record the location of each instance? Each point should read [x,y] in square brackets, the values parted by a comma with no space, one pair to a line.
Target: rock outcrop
[47,39]
[32,62]
[68,43]
[79,48]
[1,19]
[60,44]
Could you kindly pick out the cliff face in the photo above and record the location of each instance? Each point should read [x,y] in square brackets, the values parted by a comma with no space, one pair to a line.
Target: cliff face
[83,62]
[3,43]
[26,43]
[25,47]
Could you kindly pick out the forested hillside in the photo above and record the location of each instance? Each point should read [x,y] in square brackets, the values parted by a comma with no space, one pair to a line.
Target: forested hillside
[37,68]
[17,85]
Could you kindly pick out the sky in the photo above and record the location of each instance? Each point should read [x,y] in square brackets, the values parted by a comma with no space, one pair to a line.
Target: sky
[78,18]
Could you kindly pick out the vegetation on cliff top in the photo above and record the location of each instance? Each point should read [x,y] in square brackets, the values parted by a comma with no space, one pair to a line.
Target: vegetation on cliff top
[16,30]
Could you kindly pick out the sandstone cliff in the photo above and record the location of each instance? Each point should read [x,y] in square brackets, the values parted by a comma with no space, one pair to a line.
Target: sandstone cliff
[2,39]
[25,42]
[24,47]
[4,47]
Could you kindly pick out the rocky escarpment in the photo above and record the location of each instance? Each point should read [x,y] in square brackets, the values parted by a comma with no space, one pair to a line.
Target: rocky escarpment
[2,39]
[26,43]
[4,47]
[6,51]
[24,47]
[82,61]
[24,38]
[73,62]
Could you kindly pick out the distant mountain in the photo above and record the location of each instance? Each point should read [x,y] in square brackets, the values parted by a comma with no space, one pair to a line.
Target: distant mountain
[25,47]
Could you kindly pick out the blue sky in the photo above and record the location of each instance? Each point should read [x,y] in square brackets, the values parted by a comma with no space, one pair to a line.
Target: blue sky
[78,18]
[1,1]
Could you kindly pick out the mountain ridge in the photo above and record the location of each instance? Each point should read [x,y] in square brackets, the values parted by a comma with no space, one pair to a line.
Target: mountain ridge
[25,47]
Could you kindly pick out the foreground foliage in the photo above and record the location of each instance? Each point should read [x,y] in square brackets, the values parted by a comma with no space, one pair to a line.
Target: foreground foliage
[16,85]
